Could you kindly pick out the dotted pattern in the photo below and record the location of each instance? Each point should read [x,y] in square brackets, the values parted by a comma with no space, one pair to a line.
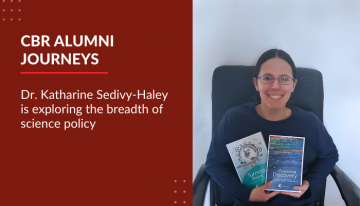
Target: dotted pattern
[10,11]
[179,192]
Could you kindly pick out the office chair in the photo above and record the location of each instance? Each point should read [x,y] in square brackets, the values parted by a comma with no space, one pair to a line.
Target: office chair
[233,85]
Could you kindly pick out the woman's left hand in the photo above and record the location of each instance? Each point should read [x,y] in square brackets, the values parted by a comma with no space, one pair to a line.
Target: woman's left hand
[302,188]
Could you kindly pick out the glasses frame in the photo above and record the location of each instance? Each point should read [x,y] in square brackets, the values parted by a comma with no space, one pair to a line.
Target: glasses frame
[273,79]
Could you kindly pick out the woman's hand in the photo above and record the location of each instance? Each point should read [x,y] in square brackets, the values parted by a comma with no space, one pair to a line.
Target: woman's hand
[260,195]
[303,188]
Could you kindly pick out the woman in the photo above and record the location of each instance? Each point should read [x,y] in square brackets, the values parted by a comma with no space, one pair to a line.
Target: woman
[275,80]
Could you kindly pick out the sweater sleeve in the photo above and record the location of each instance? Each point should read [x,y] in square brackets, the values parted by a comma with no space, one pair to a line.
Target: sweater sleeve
[326,152]
[219,164]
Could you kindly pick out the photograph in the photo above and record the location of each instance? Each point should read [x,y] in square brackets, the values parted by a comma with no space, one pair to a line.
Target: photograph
[282,68]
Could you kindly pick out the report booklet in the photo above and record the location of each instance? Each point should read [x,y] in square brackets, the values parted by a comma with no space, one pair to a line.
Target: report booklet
[285,162]
[249,155]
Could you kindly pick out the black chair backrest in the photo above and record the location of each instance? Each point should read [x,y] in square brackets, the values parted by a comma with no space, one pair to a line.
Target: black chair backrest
[233,85]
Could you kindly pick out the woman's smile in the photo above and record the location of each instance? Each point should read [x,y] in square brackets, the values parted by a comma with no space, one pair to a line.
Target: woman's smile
[272,96]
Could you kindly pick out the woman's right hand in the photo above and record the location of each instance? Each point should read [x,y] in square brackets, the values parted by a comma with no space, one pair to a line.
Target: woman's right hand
[259,194]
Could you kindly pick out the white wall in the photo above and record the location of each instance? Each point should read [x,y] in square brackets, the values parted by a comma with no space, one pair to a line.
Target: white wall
[321,34]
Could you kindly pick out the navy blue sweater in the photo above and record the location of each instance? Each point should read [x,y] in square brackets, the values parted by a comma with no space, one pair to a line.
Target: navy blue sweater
[242,121]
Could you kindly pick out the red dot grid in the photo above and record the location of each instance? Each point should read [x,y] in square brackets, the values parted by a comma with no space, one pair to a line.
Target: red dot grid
[10,11]
[181,192]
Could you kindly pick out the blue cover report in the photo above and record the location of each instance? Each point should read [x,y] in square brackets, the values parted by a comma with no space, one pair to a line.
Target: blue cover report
[285,162]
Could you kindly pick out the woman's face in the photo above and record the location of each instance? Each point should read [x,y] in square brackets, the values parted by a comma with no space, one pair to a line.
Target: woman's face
[275,96]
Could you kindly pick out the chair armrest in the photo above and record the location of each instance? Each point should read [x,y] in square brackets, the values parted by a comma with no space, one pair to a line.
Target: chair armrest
[199,186]
[348,189]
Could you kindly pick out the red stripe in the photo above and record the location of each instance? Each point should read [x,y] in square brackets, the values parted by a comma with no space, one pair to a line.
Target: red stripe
[63,72]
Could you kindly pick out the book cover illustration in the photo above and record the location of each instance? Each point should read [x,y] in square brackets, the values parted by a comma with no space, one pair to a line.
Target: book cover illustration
[285,162]
[249,156]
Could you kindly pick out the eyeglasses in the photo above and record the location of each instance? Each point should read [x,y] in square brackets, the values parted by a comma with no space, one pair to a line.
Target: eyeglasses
[282,80]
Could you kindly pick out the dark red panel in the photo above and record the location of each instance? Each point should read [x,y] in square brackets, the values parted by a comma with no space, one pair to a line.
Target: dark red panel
[127,159]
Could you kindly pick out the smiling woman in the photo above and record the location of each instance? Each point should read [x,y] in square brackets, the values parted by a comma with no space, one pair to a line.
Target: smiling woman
[275,79]
[274,65]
